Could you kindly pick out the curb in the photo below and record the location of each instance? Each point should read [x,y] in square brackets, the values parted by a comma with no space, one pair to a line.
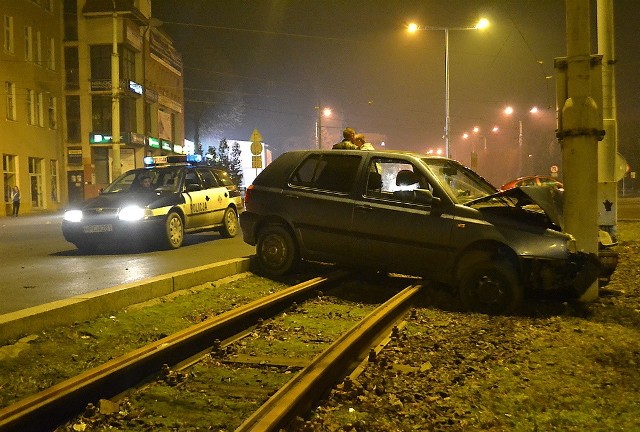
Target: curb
[108,300]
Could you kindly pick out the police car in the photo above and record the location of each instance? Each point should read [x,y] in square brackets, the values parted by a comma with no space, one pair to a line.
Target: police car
[159,203]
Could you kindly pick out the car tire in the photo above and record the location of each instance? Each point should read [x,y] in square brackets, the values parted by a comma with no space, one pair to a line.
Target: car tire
[173,231]
[230,223]
[276,251]
[489,285]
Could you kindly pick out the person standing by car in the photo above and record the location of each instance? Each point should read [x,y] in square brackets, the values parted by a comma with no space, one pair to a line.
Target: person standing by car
[347,142]
[15,197]
[359,141]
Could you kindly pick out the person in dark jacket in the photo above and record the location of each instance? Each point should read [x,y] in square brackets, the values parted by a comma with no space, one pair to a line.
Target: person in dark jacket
[15,197]
[347,140]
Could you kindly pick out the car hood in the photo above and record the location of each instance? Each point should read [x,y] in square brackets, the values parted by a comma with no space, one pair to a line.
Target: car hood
[121,199]
[549,199]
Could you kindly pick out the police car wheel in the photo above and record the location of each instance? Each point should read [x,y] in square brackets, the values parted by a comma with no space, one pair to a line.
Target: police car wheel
[174,231]
[230,223]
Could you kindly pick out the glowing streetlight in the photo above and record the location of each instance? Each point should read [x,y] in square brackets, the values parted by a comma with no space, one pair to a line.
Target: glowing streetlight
[509,111]
[412,28]
[322,112]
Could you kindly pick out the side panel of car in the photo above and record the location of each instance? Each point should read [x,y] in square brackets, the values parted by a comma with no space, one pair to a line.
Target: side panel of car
[216,197]
[318,201]
[394,228]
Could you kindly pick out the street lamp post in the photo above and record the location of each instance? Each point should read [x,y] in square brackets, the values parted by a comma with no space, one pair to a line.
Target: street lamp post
[509,111]
[322,112]
[412,28]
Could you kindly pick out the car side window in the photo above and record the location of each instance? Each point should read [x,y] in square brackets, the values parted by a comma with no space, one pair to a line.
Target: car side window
[208,179]
[394,179]
[191,178]
[328,172]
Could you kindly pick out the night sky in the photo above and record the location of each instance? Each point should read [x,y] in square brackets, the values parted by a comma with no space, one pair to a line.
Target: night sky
[268,64]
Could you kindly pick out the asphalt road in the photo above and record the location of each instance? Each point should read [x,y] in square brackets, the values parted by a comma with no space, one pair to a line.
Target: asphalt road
[38,266]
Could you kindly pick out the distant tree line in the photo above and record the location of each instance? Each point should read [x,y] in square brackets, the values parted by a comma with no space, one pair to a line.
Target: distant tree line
[227,158]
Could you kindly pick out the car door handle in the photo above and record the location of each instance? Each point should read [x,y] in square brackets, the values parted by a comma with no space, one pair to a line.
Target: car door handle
[292,196]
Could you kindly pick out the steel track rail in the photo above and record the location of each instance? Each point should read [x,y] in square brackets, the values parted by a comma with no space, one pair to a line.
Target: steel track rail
[315,380]
[51,407]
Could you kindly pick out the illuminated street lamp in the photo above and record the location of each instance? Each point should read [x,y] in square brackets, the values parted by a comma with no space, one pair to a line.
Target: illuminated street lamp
[509,111]
[412,28]
[322,112]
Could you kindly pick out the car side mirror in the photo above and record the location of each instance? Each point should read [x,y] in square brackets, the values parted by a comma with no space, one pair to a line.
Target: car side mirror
[424,196]
[193,187]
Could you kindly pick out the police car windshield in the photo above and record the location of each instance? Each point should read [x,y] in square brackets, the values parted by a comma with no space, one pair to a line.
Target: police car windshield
[147,180]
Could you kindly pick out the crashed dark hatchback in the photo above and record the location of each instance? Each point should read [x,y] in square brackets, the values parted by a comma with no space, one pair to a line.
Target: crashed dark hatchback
[412,214]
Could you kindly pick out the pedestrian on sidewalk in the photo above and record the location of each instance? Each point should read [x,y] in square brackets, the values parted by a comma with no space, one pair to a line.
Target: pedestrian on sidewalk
[15,197]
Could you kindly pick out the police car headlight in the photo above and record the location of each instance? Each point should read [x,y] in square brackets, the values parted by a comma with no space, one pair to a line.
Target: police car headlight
[73,215]
[131,213]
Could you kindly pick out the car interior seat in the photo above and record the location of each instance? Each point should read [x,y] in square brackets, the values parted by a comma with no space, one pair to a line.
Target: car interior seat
[405,179]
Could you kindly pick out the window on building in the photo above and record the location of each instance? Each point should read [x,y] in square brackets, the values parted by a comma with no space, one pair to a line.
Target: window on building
[72,68]
[53,167]
[70,14]
[102,165]
[35,180]
[101,62]
[9,174]
[40,109]
[39,48]
[10,89]
[53,112]
[31,107]
[101,113]
[73,118]
[8,34]
[51,54]
[28,43]
[128,114]
[127,64]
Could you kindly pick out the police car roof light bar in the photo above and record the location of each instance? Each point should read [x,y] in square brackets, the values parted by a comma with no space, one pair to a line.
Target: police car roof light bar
[150,161]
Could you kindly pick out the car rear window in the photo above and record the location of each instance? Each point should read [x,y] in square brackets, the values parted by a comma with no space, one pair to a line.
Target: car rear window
[328,172]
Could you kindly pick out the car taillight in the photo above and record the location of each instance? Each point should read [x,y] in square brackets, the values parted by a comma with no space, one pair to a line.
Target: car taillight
[247,194]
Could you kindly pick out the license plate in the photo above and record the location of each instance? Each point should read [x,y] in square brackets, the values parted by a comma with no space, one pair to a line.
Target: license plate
[98,228]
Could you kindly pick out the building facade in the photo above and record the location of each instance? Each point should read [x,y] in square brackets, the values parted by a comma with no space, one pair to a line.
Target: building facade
[149,91]
[31,131]
[57,114]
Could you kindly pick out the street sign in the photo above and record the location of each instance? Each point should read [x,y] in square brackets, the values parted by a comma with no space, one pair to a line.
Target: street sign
[255,136]
[256,162]
[256,143]
[256,148]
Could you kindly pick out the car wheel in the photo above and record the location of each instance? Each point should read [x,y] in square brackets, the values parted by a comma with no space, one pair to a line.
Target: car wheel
[489,286]
[276,251]
[174,231]
[230,223]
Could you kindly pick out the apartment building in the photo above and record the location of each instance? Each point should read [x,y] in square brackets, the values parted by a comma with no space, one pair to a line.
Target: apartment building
[30,115]
[57,126]
[150,91]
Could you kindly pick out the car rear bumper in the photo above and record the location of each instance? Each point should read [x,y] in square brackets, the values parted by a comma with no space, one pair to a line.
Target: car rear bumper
[248,222]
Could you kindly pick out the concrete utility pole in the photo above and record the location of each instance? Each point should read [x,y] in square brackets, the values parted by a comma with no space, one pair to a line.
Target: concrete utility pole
[115,101]
[579,129]
[608,150]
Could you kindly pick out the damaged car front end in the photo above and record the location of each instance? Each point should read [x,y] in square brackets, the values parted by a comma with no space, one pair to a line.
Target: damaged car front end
[531,221]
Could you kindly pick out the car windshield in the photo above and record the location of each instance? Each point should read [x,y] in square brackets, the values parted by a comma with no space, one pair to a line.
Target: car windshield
[462,184]
[147,180]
